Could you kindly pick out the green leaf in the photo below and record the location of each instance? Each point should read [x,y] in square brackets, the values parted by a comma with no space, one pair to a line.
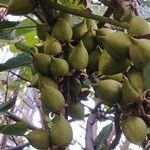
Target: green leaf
[31,38]
[17,129]
[8,24]
[103,136]
[146,75]
[7,35]
[9,104]
[4,1]
[6,29]
[25,23]
[20,60]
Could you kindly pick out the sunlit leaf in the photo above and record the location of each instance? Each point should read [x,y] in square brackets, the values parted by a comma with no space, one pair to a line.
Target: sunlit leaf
[103,136]
[9,104]
[26,26]
[18,128]
[16,62]
[31,38]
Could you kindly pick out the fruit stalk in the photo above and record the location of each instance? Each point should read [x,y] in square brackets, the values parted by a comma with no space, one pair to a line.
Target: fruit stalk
[84,14]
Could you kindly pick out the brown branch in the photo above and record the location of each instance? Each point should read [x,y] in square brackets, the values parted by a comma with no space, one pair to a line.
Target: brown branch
[49,14]
[145,36]
[66,90]
[19,147]
[118,130]
[4,141]
[125,145]
[89,145]
[39,16]
[17,119]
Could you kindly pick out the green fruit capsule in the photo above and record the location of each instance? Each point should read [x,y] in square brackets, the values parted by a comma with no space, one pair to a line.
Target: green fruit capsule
[75,87]
[62,30]
[117,44]
[134,129]
[79,30]
[78,58]
[94,60]
[52,46]
[109,66]
[129,94]
[67,17]
[41,63]
[138,26]
[61,134]
[52,99]
[136,79]
[76,111]
[139,52]
[109,91]
[91,24]
[118,77]
[17,7]
[89,40]
[39,139]
[68,49]
[59,67]
[47,81]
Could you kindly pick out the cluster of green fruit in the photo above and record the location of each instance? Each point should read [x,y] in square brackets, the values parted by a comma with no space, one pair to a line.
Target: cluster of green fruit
[53,60]
[118,58]
[121,65]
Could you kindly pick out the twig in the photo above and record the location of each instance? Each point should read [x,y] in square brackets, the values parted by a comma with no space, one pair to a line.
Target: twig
[19,76]
[14,28]
[19,147]
[66,89]
[33,20]
[17,119]
[4,140]
[6,92]
[3,5]
[49,15]
[39,16]
[107,13]
[13,139]
[118,130]
[84,14]
[71,120]
[89,145]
